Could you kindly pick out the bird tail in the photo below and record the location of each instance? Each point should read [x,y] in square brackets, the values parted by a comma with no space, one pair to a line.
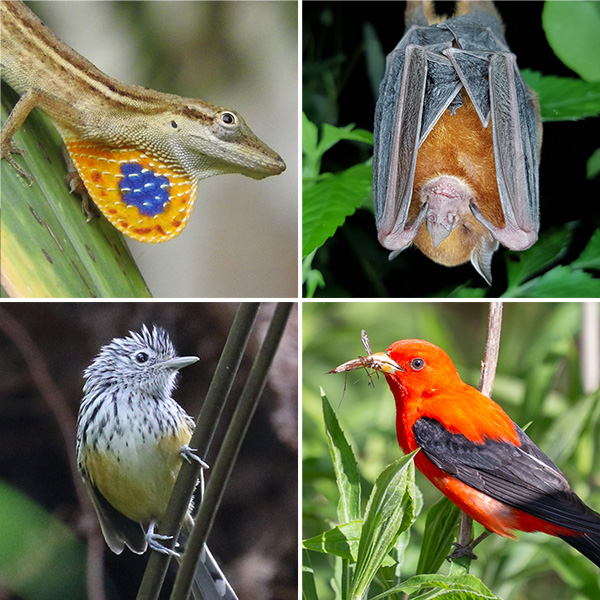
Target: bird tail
[209,581]
[588,544]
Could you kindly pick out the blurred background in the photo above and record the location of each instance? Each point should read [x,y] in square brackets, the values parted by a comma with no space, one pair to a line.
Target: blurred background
[241,240]
[44,349]
[539,381]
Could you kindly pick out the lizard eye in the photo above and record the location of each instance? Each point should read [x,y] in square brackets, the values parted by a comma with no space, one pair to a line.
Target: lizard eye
[417,364]
[228,118]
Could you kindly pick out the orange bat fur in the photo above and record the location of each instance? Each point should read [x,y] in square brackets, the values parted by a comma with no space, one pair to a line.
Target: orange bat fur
[458,146]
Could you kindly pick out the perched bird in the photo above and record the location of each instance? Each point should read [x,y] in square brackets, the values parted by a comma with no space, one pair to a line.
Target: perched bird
[131,440]
[474,453]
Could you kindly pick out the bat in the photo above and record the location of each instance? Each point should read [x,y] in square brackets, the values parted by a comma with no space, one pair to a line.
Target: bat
[457,141]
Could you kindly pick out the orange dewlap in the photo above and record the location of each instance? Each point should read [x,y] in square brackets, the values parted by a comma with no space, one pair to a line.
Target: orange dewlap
[141,195]
[458,146]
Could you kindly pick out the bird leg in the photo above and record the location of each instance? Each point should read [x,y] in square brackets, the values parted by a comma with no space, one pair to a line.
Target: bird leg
[467,550]
[154,540]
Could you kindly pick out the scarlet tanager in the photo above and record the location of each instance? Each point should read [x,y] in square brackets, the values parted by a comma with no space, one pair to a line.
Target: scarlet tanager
[474,453]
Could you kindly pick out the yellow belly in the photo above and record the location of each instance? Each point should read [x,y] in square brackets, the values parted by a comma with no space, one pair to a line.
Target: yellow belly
[138,479]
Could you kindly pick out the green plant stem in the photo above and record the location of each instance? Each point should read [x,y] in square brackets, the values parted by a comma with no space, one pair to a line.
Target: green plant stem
[229,451]
[206,424]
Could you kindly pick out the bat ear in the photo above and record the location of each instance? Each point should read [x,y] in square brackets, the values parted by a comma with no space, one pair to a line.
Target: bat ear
[481,257]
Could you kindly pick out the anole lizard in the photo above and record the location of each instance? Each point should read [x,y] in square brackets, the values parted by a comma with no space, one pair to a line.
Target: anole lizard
[140,153]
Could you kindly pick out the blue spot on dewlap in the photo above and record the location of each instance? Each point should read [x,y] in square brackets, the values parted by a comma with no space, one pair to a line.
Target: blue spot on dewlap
[144,189]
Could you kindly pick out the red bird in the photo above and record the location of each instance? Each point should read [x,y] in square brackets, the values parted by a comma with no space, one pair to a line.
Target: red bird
[474,453]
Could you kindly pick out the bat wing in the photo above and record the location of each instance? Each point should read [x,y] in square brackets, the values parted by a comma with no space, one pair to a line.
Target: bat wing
[522,477]
[402,121]
[424,77]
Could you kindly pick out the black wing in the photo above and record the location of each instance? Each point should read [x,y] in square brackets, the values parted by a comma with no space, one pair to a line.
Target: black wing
[522,477]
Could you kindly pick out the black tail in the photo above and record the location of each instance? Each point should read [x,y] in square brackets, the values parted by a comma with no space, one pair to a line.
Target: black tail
[588,544]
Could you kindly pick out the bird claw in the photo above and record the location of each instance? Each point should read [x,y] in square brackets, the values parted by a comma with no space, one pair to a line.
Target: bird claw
[154,540]
[460,550]
[189,454]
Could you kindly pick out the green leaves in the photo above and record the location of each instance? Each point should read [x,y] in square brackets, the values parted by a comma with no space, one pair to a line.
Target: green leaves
[344,464]
[564,98]
[370,547]
[40,557]
[572,32]
[364,541]
[457,587]
[440,531]
[390,511]
[570,281]
[328,198]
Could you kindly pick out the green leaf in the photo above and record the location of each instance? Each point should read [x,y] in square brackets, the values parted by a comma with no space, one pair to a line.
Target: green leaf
[311,158]
[309,589]
[590,257]
[549,249]
[313,150]
[326,204]
[440,530]
[464,291]
[344,464]
[457,587]
[340,541]
[390,511]
[593,165]
[331,135]
[311,278]
[572,30]
[560,282]
[564,98]
[40,557]
[48,249]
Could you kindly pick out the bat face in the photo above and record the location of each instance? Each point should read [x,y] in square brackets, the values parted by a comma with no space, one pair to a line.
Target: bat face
[457,139]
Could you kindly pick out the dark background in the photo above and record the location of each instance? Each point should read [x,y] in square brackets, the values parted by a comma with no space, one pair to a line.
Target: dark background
[338,90]
[255,534]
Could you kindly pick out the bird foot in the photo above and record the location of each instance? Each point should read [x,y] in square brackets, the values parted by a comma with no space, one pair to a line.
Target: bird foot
[189,454]
[154,541]
[460,550]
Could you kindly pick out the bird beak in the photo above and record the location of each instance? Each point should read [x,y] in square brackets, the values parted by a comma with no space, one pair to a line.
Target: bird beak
[380,361]
[178,362]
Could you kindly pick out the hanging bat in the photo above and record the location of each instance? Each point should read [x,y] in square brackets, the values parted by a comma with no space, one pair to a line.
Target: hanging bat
[457,141]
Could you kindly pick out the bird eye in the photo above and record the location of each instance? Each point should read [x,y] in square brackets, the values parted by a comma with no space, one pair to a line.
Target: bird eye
[141,358]
[417,364]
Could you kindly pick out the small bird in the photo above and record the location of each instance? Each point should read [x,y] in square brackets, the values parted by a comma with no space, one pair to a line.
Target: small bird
[474,453]
[131,440]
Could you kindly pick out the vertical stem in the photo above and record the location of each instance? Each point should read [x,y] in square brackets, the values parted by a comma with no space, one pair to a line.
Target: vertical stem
[229,450]
[486,383]
[206,424]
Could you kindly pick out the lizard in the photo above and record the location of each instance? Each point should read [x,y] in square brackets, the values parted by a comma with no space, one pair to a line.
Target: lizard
[140,153]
